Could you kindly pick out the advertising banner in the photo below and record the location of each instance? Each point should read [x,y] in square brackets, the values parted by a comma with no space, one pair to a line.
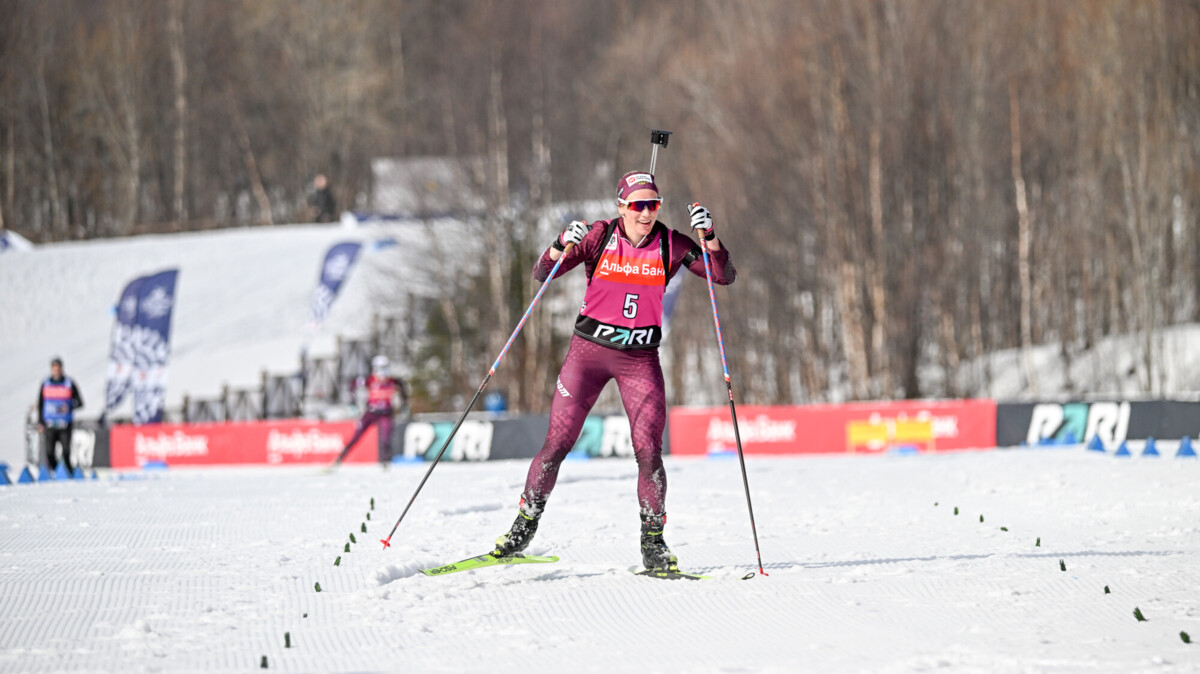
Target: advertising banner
[852,428]
[141,346]
[507,438]
[297,441]
[121,354]
[1113,421]
[152,346]
[255,442]
[338,262]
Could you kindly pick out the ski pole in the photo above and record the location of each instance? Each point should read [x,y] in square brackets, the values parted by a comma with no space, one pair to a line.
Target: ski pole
[387,541]
[729,387]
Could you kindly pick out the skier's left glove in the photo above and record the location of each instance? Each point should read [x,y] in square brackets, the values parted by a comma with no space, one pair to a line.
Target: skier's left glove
[702,222]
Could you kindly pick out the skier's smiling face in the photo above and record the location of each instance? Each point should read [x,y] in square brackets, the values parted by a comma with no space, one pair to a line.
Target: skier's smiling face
[638,223]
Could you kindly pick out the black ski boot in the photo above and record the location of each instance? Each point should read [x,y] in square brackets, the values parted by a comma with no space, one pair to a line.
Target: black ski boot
[521,534]
[656,556]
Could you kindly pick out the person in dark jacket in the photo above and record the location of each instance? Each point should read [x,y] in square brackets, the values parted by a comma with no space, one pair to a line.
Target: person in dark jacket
[320,202]
[57,401]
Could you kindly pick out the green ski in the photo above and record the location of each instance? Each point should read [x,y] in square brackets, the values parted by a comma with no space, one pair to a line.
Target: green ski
[671,575]
[487,560]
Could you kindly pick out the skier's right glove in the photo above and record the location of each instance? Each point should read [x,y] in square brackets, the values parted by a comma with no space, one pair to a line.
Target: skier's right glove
[574,233]
[702,222]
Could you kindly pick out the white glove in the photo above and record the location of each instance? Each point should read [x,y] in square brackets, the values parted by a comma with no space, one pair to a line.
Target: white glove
[574,233]
[702,222]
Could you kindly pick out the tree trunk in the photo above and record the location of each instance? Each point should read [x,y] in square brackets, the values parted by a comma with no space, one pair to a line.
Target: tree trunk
[501,216]
[877,262]
[842,238]
[1024,241]
[1141,268]
[10,182]
[179,69]
[58,226]
[851,311]
[6,156]
[256,184]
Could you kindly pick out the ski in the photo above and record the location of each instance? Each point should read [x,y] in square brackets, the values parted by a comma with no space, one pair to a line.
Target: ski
[671,575]
[482,561]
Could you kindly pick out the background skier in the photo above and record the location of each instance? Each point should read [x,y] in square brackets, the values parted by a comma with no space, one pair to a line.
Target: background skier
[385,395]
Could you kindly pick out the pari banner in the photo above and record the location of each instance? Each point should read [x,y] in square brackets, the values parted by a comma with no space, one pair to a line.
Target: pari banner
[853,428]
[338,263]
[252,442]
[141,346]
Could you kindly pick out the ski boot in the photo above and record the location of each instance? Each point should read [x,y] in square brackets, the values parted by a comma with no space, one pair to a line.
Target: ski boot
[521,534]
[656,556]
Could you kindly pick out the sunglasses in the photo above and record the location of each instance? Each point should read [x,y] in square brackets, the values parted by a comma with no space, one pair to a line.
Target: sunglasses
[642,204]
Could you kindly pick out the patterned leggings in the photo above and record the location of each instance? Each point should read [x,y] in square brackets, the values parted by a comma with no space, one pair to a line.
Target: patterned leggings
[587,369]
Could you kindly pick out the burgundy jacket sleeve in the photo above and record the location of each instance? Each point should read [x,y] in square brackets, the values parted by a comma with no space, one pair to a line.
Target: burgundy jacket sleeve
[685,250]
[587,251]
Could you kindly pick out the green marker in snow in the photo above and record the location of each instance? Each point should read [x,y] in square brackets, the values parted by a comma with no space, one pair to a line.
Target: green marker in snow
[318,586]
[1137,613]
[338,561]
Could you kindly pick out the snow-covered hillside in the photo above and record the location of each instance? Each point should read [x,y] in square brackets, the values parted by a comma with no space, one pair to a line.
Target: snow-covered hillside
[242,306]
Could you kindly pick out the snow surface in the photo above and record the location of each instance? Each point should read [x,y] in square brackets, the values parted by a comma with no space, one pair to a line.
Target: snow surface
[870,569]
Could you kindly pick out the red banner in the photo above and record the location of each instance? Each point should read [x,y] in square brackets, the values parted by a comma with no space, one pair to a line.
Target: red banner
[255,442]
[856,428]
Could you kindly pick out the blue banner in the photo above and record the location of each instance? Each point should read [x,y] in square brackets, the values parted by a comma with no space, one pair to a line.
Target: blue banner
[152,345]
[141,346]
[121,355]
[338,262]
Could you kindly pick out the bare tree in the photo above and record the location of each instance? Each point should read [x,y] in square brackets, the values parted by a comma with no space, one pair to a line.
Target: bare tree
[179,69]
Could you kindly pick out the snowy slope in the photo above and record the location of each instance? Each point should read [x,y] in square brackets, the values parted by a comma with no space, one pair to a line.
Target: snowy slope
[242,306]
[870,569]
